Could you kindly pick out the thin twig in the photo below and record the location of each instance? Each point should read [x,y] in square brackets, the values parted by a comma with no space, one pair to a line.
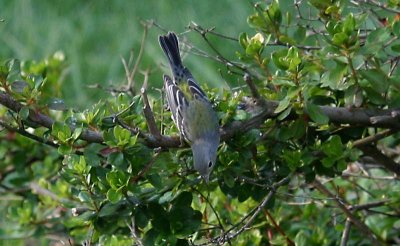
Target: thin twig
[131,76]
[253,88]
[127,70]
[213,209]
[28,135]
[346,233]
[132,228]
[358,224]
[338,115]
[146,168]
[381,158]
[203,32]
[390,178]
[369,205]
[381,5]
[374,138]
[279,229]
[148,113]
[250,217]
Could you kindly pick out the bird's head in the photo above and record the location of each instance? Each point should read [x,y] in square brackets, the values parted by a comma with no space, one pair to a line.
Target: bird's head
[205,156]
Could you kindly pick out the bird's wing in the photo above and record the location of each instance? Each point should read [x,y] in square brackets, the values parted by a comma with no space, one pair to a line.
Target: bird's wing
[196,90]
[177,102]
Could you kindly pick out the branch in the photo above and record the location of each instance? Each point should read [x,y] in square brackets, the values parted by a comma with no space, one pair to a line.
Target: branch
[380,158]
[238,127]
[346,233]
[253,88]
[338,115]
[357,223]
[130,76]
[27,134]
[381,5]
[369,205]
[148,113]
[37,119]
[228,236]
[279,229]
[374,138]
[213,209]
[146,168]
[360,116]
[132,228]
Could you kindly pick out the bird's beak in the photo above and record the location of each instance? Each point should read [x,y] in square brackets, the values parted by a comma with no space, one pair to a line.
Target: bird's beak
[206,178]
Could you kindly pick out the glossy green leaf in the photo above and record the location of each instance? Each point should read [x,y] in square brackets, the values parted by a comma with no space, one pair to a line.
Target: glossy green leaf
[379,81]
[316,114]
[114,196]
[24,113]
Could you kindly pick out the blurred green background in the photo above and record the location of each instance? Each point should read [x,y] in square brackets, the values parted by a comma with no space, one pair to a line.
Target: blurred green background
[94,35]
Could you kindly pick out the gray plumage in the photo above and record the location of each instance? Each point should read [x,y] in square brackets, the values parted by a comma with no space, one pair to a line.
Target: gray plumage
[191,110]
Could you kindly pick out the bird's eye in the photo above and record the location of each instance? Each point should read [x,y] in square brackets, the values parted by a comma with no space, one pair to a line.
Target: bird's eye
[210,164]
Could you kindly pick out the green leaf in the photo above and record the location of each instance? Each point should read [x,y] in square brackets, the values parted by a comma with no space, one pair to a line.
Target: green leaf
[61,131]
[109,138]
[299,128]
[184,199]
[378,36]
[113,195]
[155,180]
[301,239]
[159,218]
[274,13]
[396,28]
[374,96]
[285,113]
[122,135]
[316,114]
[340,38]
[229,179]
[24,113]
[80,166]
[243,40]
[396,48]
[293,57]
[184,220]
[300,34]
[286,40]
[77,133]
[349,24]
[278,59]
[117,159]
[84,196]
[12,70]
[333,147]
[151,236]
[166,197]
[256,21]
[292,158]
[282,105]
[117,179]
[377,78]
[328,161]
[65,149]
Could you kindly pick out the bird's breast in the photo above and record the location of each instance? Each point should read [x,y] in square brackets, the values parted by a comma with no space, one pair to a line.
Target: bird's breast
[202,119]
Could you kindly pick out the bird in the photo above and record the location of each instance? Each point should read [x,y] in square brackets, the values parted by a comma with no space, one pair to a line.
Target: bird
[191,110]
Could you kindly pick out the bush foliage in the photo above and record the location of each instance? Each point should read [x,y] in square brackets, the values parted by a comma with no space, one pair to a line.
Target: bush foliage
[309,152]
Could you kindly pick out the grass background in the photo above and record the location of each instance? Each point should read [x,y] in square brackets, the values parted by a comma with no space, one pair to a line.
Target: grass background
[93,35]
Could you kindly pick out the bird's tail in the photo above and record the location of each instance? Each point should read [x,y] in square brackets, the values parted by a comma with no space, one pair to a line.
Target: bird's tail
[169,44]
